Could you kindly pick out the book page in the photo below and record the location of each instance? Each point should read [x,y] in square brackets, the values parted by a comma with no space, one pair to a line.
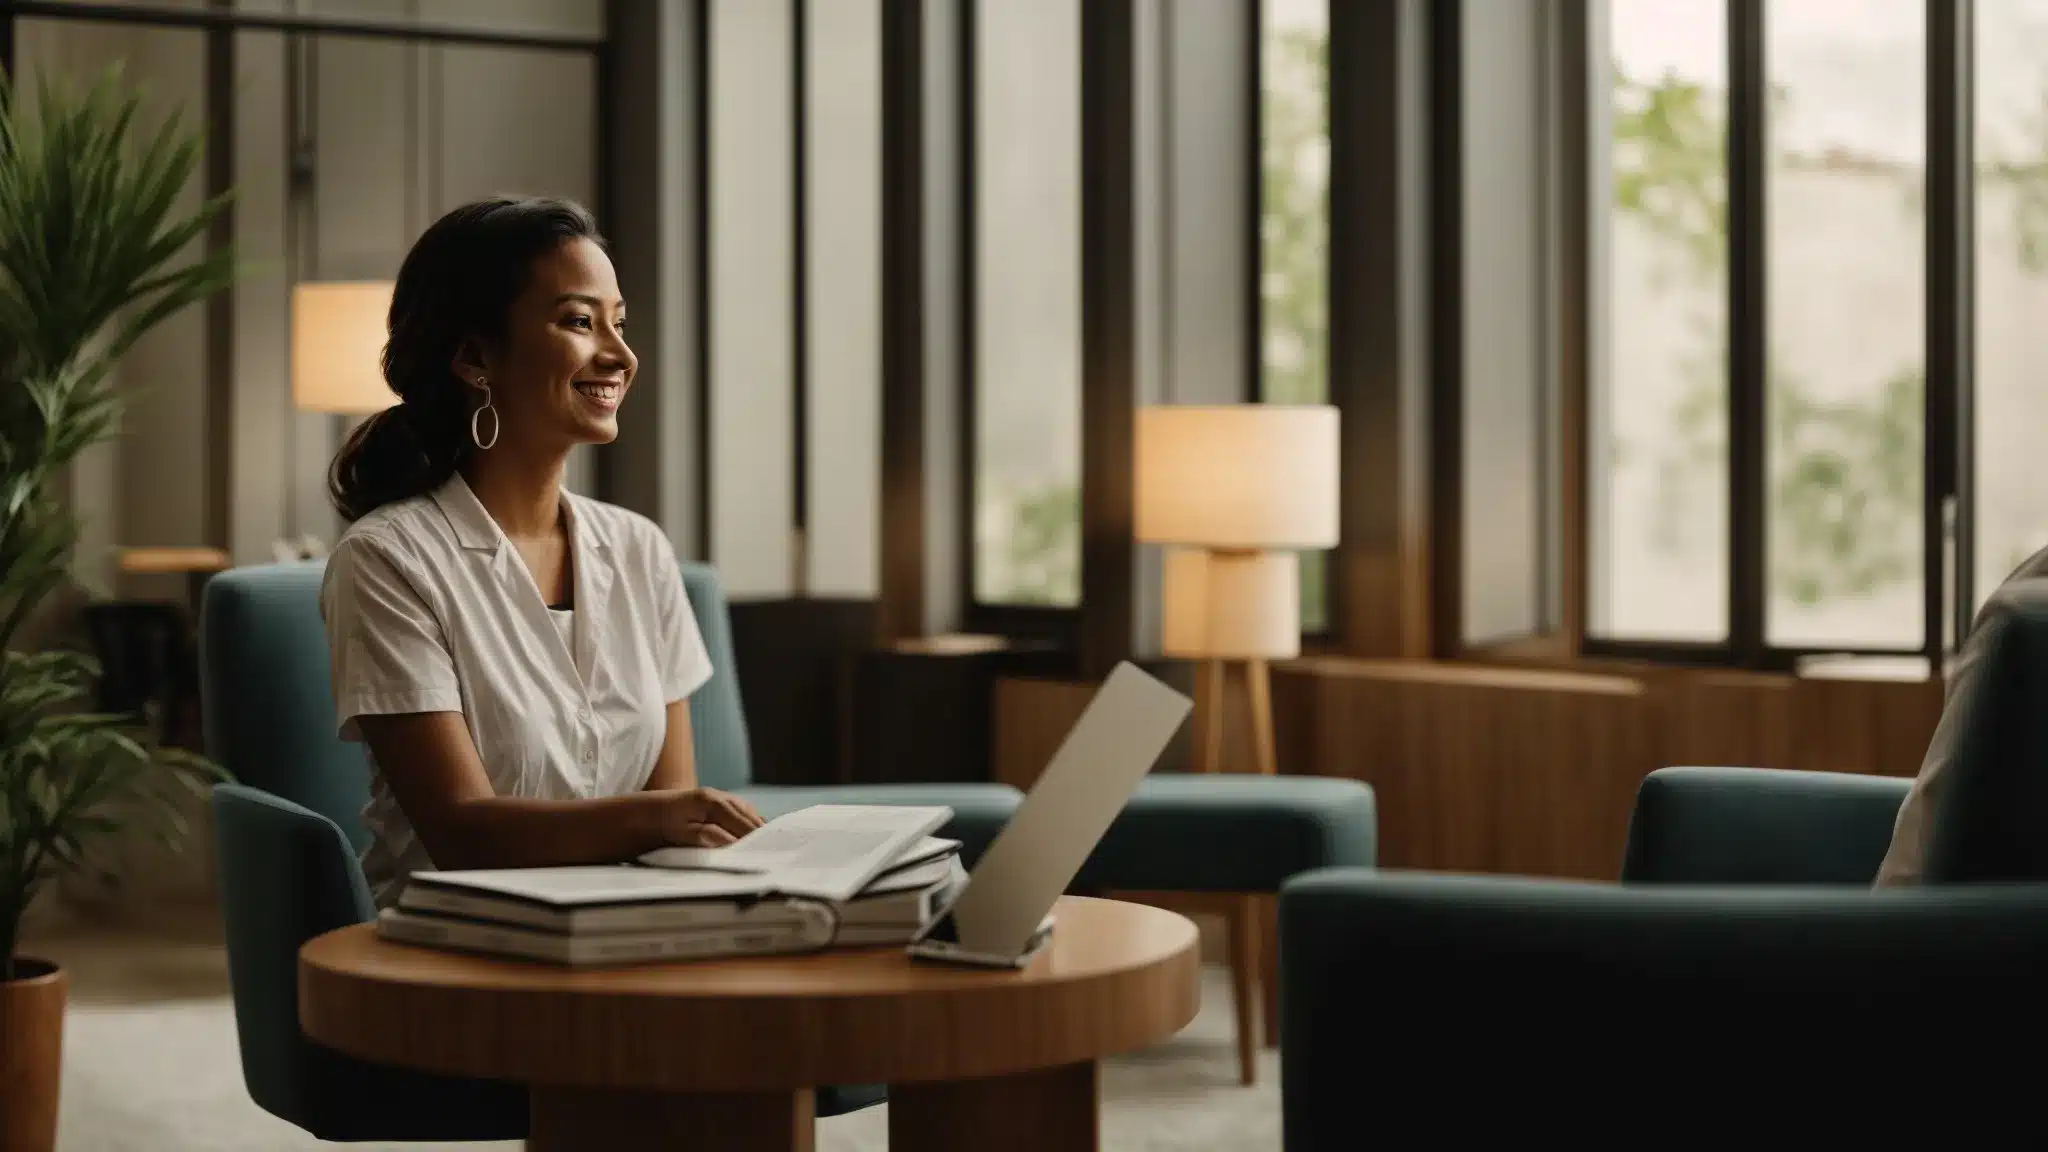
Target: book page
[830,851]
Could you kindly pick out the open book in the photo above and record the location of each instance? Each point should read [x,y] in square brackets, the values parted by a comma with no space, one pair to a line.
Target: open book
[830,852]
[825,852]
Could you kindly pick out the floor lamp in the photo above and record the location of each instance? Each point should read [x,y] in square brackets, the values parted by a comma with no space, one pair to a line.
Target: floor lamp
[1232,492]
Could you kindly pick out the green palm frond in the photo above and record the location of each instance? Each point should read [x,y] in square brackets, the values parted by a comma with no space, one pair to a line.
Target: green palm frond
[94,252]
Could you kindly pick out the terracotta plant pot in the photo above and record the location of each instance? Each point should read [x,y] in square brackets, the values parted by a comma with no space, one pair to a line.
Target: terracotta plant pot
[31,1054]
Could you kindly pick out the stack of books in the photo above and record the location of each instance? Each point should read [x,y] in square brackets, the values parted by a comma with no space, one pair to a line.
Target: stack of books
[826,876]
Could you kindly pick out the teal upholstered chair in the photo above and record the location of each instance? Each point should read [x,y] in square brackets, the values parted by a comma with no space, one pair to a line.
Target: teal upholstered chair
[1745,939]
[288,833]
[290,829]
[1229,832]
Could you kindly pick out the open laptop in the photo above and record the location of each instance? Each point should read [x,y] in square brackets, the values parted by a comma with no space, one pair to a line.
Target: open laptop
[1001,916]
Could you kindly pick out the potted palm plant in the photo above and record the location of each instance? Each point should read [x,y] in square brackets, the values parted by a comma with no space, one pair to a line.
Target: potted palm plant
[92,255]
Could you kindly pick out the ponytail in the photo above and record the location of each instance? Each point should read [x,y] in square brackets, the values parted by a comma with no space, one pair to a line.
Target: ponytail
[401,452]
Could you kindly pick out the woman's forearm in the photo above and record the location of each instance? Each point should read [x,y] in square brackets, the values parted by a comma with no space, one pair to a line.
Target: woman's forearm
[514,832]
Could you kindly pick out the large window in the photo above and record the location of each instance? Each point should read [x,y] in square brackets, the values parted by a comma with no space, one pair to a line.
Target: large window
[1294,226]
[1757,416]
[1027,302]
[2011,250]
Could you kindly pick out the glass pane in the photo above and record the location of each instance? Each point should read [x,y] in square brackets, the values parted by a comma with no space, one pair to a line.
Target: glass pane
[1658,532]
[1845,254]
[2012,285]
[843,250]
[1027,322]
[752,291]
[1505,492]
[1294,229]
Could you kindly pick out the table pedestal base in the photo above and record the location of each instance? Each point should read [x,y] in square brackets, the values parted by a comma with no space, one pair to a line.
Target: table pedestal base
[1058,1108]
[602,1120]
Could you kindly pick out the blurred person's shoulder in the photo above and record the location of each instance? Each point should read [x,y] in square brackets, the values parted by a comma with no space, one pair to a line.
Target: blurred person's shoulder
[2024,592]
[2025,586]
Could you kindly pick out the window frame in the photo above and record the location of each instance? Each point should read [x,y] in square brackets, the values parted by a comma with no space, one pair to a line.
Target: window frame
[1947,318]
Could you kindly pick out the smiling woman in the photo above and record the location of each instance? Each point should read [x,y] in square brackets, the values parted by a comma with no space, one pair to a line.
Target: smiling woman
[518,658]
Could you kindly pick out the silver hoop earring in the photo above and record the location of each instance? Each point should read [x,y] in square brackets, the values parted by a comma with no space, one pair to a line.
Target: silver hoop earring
[476,435]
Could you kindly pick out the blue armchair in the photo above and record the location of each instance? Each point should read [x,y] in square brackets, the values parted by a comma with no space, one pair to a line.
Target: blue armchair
[1745,939]
[290,829]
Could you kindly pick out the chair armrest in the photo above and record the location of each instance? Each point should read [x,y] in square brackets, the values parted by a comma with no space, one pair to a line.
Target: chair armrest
[1393,983]
[1760,826]
[287,874]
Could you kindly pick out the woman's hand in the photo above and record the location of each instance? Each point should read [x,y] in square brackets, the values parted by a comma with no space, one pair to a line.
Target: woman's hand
[707,818]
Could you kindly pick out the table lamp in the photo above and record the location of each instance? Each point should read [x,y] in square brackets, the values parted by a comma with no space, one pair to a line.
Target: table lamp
[1233,491]
[338,335]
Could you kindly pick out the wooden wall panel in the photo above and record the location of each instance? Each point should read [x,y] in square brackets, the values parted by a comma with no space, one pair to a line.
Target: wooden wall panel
[1819,724]
[1032,715]
[1031,718]
[1731,718]
[1485,769]
[1520,771]
[1874,726]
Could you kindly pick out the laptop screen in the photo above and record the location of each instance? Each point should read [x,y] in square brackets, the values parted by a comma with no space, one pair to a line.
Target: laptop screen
[1109,750]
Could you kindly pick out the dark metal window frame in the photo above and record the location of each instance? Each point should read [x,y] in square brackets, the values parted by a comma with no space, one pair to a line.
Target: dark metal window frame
[238,20]
[1948,319]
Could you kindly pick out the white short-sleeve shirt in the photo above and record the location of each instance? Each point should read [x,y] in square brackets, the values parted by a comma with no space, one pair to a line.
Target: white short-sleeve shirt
[429,608]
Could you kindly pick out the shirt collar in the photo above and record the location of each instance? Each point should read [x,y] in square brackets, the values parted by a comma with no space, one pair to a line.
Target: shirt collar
[474,527]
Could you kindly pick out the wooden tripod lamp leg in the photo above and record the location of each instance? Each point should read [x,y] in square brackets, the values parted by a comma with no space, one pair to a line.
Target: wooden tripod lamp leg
[1209,693]
[1262,911]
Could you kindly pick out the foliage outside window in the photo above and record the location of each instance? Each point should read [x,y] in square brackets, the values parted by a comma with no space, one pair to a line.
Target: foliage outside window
[1844,457]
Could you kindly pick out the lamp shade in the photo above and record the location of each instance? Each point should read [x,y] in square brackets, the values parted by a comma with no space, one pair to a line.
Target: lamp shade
[1231,605]
[1244,476]
[338,334]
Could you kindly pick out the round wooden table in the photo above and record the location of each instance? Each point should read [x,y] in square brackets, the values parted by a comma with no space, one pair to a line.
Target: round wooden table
[724,1054]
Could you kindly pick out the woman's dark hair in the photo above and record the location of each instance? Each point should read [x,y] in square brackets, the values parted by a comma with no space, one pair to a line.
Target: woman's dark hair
[458,283]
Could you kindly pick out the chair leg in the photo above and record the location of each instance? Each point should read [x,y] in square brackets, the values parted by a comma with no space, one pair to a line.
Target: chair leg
[1244,973]
[1269,965]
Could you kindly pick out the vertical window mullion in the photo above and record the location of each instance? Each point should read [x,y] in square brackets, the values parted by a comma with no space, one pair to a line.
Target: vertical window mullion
[799,300]
[1747,328]
[1949,502]
[1936,455]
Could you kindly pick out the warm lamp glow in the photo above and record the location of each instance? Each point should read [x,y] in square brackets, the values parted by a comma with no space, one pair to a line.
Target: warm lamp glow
[1243,476]
[1231,605]
[338,334]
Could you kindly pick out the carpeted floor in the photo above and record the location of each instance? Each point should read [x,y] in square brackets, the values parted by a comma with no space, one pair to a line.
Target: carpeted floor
[150,1063]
